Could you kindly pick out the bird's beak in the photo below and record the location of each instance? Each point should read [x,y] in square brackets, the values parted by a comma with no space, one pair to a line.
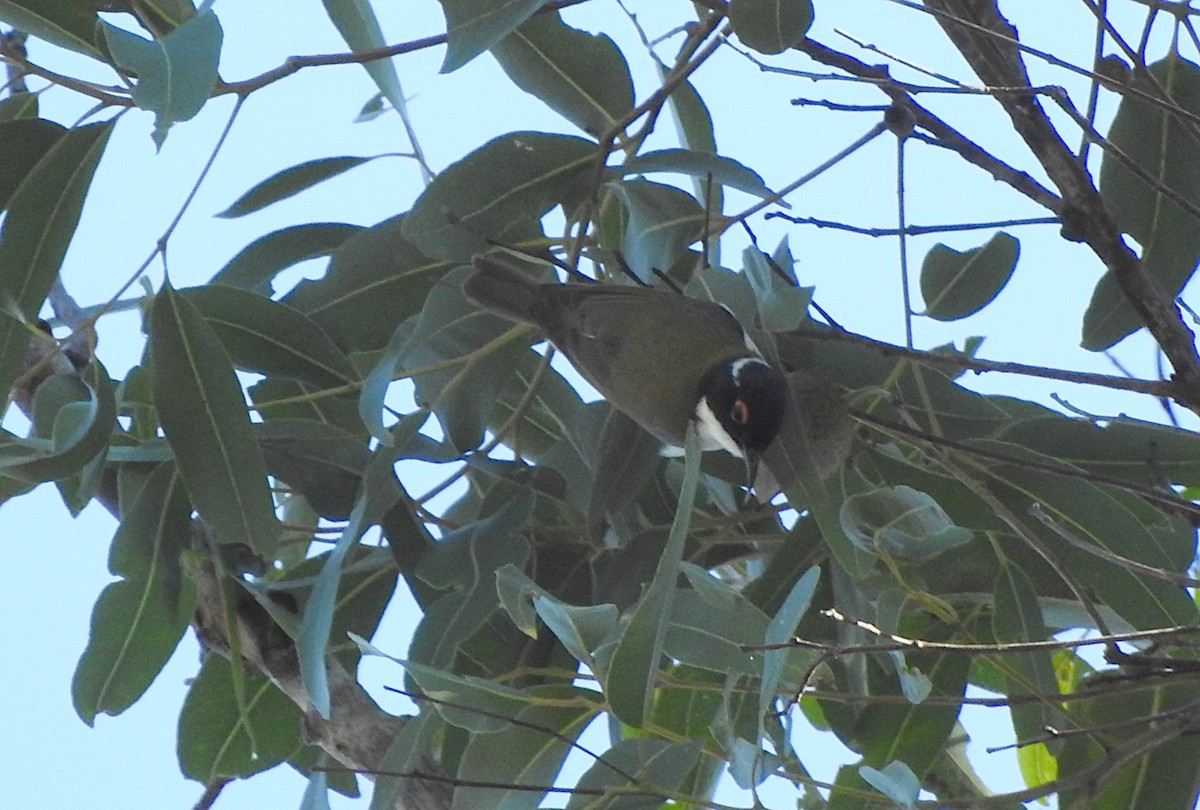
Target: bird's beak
[750,458]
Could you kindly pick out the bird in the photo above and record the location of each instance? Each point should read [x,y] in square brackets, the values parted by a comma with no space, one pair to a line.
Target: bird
[666,360]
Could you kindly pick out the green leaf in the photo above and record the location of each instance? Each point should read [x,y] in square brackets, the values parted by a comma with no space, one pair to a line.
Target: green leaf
[781,306]
[627,459]
[633,672]
[700,165]
[376,279]
[23,142]
[176,73]
[663,221]
[1162,776]
[1160,143]
[1094,516]
[216,740]
[507,183]
[66,23]
[1018,618]
[322,462]
[628,766]
[902,522]
[583,77]
[467,560]
[204,417]
[480,706]
[406,755]
[42,215]
[289,182]
[258,263]
[709,635]
[956,284]
[770,26]
[20,105]
[137,622]
[75,417]
[525,754]
[473,26]
[271,338]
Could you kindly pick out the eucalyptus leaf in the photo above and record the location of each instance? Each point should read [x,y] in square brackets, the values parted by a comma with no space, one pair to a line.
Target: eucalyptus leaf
[956,284]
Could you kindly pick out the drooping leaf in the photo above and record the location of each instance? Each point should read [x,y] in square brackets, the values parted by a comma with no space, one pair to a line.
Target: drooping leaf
[473,26]
[633,671]
[320,461]
[378,492]
[663,221]
[896,781]
[582,77]
[356,22]
[175,72]
[956,284]
[1162,145]
[42,215]
[138,621]
[781,629]
[770,26]
[289,182]
[204,417]
[65,23]
[503,185]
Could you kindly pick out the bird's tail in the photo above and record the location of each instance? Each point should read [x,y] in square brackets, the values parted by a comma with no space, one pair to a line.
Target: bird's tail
[502,289]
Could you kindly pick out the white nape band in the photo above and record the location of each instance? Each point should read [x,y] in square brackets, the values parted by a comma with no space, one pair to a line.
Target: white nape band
[735,368]
[712,435]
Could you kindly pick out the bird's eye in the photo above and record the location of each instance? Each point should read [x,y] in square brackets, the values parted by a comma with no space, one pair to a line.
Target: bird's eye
[739,413]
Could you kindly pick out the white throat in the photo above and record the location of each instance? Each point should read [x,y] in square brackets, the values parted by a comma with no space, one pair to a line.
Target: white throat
[712,435]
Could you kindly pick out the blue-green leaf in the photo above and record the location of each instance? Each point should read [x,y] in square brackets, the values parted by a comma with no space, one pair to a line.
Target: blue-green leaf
[175,72]
[770,26]
[663,221]
[956,284]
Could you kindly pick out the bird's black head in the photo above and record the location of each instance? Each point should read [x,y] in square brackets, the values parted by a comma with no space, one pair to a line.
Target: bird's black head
[743,399]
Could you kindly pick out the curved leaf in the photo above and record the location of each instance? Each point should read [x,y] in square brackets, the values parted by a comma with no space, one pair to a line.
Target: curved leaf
[633,671]
[1164,147]
[176,72]
[956,284]
[504,184]
[901,522]
[473,26]
[291,181]
[583,77]
[42,214]
[770,26]
[138,621]
[214,740]
[78,426]
[259,262]
[204,417]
